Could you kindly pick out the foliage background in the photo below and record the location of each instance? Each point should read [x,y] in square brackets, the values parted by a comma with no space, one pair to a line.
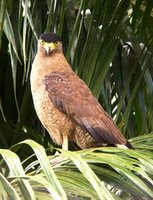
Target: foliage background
[110,46]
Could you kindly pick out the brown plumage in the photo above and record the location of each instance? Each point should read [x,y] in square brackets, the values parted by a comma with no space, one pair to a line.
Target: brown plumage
[65,105]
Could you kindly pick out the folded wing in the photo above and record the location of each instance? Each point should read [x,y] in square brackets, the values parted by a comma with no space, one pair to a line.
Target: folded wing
[72,97]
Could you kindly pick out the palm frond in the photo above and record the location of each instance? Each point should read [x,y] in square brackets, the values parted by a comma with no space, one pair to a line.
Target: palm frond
[99,173]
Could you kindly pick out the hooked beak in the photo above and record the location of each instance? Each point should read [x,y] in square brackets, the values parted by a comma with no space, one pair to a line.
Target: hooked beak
[49,47]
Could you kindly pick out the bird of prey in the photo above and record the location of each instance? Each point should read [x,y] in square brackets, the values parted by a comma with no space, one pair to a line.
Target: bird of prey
[65,105]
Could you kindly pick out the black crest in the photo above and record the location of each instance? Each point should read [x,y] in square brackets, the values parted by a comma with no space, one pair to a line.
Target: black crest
[50,37]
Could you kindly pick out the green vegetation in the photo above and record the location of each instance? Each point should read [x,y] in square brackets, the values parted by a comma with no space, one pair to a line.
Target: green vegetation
[110,46]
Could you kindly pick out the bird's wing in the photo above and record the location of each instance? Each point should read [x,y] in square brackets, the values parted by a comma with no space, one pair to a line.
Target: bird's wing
[70,94]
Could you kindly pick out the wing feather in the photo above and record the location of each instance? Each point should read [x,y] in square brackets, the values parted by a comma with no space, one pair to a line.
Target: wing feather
[71,95]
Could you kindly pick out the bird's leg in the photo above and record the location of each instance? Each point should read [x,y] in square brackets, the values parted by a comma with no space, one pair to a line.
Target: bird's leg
[65,142]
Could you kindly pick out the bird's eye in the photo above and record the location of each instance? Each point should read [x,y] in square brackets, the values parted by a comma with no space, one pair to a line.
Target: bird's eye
[56,43]
[42,42]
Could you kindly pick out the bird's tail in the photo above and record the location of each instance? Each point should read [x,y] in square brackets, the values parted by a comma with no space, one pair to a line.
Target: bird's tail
[129,145]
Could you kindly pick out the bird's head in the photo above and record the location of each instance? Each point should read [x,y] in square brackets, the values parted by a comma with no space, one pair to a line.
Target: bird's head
[49,43]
